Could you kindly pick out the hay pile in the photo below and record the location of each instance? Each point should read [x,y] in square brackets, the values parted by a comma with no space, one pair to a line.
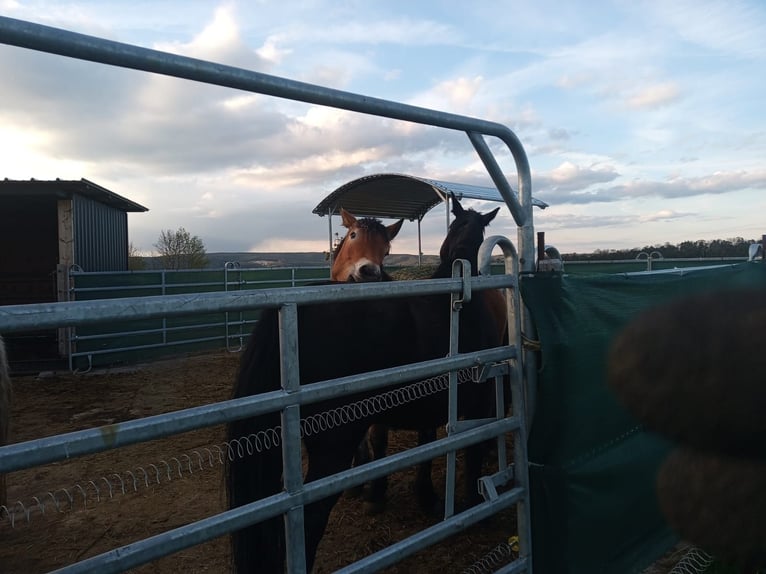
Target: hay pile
[413,273]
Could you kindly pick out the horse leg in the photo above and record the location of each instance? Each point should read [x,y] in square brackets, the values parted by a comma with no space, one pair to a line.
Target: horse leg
[375,501]
[328,453]
[315,520]
[427,499]
[426,496]
[474,459]
[361,456]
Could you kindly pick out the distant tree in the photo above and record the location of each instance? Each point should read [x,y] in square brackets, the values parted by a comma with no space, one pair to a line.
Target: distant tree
[180,250]
[733,247]
[135,259]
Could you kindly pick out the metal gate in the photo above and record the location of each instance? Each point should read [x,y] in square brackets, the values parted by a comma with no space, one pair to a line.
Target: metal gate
[494,362]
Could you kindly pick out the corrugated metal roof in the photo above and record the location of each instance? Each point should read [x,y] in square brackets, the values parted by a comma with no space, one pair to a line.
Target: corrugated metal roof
[396,196]
[64,189]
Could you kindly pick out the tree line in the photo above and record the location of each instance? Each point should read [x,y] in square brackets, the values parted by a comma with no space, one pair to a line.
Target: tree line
[180,250]
[715,248]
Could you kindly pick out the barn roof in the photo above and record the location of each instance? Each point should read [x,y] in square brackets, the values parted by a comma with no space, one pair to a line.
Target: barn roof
[65,189]
[396,196]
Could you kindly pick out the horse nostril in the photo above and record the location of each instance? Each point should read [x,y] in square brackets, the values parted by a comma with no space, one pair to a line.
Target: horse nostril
[369,271]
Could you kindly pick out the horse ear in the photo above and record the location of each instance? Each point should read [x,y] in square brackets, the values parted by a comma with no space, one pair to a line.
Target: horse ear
[457,209]
[393,229]
[347,218]
[487,217]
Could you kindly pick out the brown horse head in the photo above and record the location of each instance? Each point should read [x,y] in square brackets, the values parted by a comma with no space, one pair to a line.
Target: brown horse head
[359,256]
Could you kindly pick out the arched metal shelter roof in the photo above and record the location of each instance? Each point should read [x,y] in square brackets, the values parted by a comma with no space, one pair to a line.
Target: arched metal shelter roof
[396,196]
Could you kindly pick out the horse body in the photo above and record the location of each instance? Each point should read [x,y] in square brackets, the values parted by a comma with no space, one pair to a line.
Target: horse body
[358,258]
[347,338]
[5,412]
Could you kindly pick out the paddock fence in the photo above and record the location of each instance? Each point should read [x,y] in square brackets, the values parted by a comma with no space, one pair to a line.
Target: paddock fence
[143,339]
[505,489]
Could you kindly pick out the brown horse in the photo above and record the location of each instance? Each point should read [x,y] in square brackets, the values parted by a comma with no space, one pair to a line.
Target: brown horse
[408,330]
[359,256]
[5,412]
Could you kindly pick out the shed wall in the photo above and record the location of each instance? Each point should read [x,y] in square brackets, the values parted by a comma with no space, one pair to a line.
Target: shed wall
[100,236]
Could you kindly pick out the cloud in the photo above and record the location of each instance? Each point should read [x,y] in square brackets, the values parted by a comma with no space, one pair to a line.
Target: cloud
[605,110]
[567,182]
[351,28]
[678,187]
[456,94]
[572,184]
[654,96]
[735,28]
[559,134]
[665,215]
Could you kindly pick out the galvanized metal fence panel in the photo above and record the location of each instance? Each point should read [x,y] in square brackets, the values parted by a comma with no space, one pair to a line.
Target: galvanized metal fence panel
[105,344]
[83,313]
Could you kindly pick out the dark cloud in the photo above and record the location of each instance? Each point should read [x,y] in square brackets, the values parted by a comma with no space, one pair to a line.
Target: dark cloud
[559,134]
[583,188]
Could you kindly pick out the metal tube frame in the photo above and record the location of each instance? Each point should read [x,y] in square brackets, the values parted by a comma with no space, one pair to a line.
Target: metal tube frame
[20,317]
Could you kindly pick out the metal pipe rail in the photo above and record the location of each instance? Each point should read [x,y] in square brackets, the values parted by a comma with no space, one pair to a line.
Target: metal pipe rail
[27,317]
[56,448]
[149,549]
[75,313]
[65,43]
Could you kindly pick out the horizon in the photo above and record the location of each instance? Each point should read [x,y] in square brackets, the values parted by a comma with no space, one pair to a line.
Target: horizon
[746,240]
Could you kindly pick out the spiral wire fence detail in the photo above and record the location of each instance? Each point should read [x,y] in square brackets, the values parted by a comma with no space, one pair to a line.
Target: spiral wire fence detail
[695,561]
[500,555]
[178,467]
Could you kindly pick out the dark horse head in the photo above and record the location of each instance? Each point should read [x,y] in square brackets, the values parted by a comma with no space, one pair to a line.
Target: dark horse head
[466,232]
[388,333]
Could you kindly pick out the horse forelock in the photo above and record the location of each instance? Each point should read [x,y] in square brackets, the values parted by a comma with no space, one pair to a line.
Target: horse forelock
[466,232]
[369,224]
[363,260]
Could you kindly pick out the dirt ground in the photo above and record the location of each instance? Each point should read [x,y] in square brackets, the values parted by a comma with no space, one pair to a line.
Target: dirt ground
[94,523]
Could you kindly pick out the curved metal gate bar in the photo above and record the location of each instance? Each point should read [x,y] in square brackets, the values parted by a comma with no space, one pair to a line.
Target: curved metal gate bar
[20,317]
[64,43]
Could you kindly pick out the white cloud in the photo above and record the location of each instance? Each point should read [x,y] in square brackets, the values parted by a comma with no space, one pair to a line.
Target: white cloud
[637,116]
[736,28]
[271,52]
[664,215]
[654,96]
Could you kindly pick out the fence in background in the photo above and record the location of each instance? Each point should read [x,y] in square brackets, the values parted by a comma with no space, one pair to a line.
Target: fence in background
[145,339]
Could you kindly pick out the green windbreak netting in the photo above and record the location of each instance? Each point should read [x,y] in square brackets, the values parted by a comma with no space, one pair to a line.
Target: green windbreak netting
[592,468]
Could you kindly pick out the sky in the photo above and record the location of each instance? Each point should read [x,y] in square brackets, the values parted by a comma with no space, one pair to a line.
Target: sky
[643,121]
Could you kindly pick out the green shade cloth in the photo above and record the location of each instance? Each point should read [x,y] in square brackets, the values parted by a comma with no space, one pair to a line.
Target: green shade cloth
[592,467]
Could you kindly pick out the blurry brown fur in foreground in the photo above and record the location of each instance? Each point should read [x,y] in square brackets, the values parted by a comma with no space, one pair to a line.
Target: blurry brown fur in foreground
[695,371]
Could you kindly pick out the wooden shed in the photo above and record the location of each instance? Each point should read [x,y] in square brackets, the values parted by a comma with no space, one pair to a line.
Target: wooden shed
[46,227]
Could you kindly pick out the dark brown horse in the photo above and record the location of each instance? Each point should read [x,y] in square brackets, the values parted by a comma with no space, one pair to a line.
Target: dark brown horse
[366,244]
[346,338]
[358,258]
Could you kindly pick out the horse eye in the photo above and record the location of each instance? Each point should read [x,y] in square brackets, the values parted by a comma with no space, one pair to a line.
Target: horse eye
[352,235]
